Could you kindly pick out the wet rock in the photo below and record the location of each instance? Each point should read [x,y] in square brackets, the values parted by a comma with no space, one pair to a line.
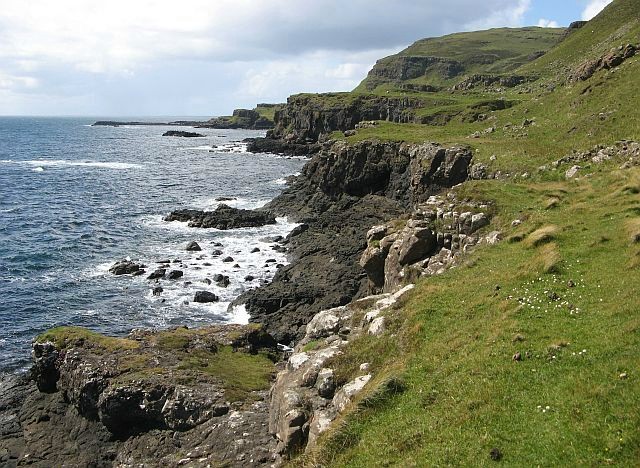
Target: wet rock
[216,253]
[249,278]
[158,274]
[224,217]
[175,274]
[127,267]
[193,246]
[204,297]
[183,134]
[255,250]
[228,260]
[223,282]
[157,291]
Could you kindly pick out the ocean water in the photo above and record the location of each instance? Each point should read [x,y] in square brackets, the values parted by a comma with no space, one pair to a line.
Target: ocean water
[74,199]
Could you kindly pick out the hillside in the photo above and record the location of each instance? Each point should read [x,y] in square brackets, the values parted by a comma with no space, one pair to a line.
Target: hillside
[524,353]
[436,62]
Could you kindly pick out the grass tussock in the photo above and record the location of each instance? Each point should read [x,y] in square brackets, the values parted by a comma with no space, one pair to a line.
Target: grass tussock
[632,227]
[542,236]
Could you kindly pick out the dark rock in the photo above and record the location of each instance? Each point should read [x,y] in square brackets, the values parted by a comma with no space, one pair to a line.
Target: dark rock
[216,253]
[342,192]
[255,250]
[193,246]
[224,217]
[249,278]
[221,199]
[175,274]
[298,230]
[159,273]
[157,291]
[204,297]
[127,267]
[180,133]
[45,371]
[227,259]
[279,146]
[223,282]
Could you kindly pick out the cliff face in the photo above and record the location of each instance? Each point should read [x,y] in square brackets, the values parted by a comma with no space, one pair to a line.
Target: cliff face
[342,192]
[307,117]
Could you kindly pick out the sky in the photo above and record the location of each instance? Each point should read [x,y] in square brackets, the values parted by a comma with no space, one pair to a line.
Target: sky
[207,57]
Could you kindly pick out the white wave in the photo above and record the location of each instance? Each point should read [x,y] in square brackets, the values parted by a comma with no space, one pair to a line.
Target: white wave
[200,148]
[38,169]
[280,181]
[41,163]
[239,314]
[211,203]
[233,147]
[254,263]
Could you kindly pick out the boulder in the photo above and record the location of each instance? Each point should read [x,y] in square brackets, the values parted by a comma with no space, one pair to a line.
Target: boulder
[175,274]
[204,297]
[193,246]
[127,267]
[572,172]
[346,394]
[159,273]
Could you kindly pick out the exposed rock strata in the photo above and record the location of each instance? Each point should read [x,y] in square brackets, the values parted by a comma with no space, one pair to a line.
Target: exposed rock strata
[305,118]
[429,243]
[611,59]
[306,397]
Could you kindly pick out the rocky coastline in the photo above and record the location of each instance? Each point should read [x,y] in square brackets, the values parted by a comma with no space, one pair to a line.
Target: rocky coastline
[371,222]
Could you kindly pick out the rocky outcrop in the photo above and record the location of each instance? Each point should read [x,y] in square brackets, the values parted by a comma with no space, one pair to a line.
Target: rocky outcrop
[127,267]
[407,67]
[429,243]
[508,81]
[224,217]
[248,119]
[152,399]
[272,145]
[342,192]
[307,396]
[183,134]
[306,117]
[611,59]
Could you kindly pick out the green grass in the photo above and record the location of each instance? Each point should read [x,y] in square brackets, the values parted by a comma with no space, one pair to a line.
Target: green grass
[241,373]
[451,345]
[67,337]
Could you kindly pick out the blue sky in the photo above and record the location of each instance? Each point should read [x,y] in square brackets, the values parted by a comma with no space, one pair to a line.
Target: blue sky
[206,57]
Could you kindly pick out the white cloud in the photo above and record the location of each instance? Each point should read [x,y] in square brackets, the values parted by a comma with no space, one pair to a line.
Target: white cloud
[545,23]
[78,48]
[593,8]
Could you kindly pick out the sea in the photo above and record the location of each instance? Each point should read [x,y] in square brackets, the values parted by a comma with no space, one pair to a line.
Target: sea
[75,198]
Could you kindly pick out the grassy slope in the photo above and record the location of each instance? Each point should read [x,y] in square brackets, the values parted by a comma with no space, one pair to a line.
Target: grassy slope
[456,335]
[452,342]
[509,46]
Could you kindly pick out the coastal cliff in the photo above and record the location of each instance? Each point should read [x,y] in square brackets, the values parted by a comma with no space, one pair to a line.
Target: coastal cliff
[435,292]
